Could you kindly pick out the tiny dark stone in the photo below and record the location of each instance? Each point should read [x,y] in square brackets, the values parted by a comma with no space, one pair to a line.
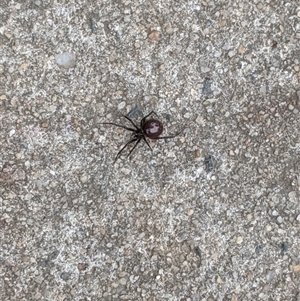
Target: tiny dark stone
[33,38]
[198,251]
[53,255]
[284,247]
[65,276]
[208,162]
[169,117]
[259,249]
[92,26]
[246,255]
[82,266]
[274,44]
[47,262]
[43,262]
[206,89]
[208,22]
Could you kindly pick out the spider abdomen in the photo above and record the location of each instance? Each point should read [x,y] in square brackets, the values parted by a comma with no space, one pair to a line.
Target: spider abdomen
[152,128]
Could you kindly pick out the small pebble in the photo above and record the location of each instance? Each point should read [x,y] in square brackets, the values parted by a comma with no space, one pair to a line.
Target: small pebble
[205,31]
[66,60]
[249,216]
[84,178]
[263,89]
[12,132]
[241,49]
[268,228]
[190,212]
[123,281]
[200,120]
[223,23]
[279,219]
[122,274]
[231,53]
[154,36]
[169,29]
[19,156]
[121,105]
[270,275]
[44,124]
[296,268]
[197,154]
[292,196]
[239,240]
[82,266]
[193,92]
[126,171]
[205,69]
[217,54]
[133,278]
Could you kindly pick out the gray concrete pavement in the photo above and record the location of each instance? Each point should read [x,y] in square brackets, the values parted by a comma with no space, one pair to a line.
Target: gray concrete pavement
[212,214]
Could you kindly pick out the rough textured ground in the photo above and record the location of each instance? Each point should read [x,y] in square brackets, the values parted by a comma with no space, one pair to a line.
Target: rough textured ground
[159,225]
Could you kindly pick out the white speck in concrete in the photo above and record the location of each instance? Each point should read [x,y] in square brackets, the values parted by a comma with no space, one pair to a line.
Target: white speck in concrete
[66,60]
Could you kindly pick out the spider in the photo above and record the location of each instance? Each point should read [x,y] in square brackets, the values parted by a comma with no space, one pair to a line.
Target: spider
[151,128]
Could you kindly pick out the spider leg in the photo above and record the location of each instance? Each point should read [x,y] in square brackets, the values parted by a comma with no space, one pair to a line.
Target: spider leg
[120,126]
[152,112]
[131,121]
[147,142]
[144,118]
[129,142]
[166,137]
[137,142]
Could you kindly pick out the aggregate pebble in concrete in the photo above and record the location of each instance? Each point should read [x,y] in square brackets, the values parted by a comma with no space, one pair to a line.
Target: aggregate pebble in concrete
[158,225]
[66,60]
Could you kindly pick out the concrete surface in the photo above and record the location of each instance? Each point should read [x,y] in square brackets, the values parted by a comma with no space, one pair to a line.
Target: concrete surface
[212,214]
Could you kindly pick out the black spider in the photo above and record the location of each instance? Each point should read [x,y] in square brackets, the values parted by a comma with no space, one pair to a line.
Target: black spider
[151,128]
